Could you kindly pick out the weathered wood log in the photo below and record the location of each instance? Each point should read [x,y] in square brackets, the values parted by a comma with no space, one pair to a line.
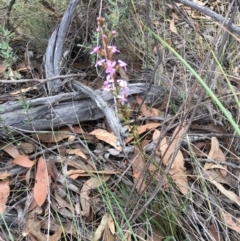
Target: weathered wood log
[53,112]
[55,49]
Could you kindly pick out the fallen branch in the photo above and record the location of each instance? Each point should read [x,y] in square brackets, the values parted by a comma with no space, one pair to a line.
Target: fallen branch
[53,112]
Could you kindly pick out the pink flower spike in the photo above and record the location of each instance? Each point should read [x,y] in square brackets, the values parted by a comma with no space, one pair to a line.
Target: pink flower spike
[95,50]
[100,62]
[110,67]
[113,49]
[122,64]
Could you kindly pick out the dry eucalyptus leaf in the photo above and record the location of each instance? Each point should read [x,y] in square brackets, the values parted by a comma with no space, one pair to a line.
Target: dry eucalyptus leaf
[92,183]
[42,182]
[107,137]
[101,227]
[24,161]
[4,193]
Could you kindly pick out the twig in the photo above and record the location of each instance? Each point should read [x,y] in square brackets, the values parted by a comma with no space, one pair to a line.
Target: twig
[211,14]
[216,162]
[42,81]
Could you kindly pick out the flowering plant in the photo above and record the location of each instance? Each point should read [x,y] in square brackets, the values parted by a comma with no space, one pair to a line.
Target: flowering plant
[117,87]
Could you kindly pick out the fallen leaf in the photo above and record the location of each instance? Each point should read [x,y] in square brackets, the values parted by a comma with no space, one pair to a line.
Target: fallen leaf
[11,150]
[128,235]
[138,165]
[27,147]
[156,135]
[147,111]
[172,26]
[92,183]
[33,225]
[107,137]
[4,193]
[216,154]
[23,90]
[53,137]
[42,182]
[81,173]
[2,67]
[218,177]
[215,232]
[4,175]
[232,222]
[157,236]
[101,227]
[141,129]
[177,170]
[23,161]
[57,235]
[229,194]
[111,224]
[62,203]
[77,152]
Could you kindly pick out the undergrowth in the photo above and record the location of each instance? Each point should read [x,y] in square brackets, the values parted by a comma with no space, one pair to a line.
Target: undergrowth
[187,57]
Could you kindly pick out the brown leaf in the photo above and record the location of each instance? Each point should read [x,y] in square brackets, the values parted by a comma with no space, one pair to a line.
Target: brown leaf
[156,135]
[138,167]
[157,236]
[107,137]
[2,67]
[33,225]
[111,224]
[229,194]
[215,233]
[23,161]
[232,222]
[172,26]
[147,111]
[4,175]
[177,171]
[77,152]
[4,193]
[27,147]
[11,150]
[92,183]
[101,227]
[53,137]
[23,90]
[42,182]
[144,128]
[57,235]
[81,173]
[216,154]
[62,203]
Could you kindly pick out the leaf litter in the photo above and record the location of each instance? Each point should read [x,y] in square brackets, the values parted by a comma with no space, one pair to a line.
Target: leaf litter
[70,181]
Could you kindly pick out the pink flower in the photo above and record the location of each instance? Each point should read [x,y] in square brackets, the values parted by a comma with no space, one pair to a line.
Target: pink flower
[122,83]
[113,49]
[106,86]
[110,67]
[100,62]
[109,79]
[122,64]
[95,50]
[122,98]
